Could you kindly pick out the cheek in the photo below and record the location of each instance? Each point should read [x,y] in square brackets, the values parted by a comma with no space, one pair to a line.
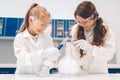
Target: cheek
[89,24]
[41,28]
[35,30]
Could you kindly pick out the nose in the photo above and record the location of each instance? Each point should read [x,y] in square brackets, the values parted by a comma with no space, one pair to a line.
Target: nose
[81,24]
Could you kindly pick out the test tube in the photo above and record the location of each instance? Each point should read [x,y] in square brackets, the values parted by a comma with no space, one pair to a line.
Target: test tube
[55,70]
[63,42]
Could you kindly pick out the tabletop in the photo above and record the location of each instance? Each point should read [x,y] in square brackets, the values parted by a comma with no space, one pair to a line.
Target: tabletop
[54,77]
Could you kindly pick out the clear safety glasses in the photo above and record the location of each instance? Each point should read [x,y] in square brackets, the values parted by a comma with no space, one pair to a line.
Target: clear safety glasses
[37,22]
[86,20]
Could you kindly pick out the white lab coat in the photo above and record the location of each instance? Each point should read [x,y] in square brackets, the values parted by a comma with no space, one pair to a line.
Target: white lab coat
[96,61]
[27,51]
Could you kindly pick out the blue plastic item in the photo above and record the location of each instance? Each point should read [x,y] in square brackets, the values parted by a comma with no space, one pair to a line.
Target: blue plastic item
[55,70]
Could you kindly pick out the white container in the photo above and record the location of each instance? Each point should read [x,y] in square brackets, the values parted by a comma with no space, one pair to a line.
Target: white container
[67,64]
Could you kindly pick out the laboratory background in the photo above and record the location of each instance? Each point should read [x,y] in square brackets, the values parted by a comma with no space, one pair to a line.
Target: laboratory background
[12,13]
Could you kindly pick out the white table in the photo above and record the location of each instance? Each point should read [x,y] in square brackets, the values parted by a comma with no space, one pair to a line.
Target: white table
[87,77]
[14,66]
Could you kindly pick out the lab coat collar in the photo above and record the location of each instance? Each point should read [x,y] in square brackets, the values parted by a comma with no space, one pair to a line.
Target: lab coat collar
[30,37]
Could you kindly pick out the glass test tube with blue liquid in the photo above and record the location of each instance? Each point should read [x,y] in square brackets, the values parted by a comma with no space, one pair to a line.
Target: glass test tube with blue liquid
[63,42]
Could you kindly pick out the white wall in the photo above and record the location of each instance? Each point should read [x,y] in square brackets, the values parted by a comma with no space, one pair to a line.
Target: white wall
[64,9]
[17,8]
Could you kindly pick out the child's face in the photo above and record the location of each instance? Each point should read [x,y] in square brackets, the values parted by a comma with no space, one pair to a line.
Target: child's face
[38,25]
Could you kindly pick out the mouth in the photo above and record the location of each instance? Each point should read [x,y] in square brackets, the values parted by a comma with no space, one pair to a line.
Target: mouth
[86,28]
[39,31]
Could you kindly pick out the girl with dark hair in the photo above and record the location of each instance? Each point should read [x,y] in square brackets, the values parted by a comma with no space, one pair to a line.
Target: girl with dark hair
[33,45]
[93,40]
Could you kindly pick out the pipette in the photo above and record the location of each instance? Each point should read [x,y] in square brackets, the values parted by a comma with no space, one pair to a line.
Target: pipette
[55,70]
[63,42]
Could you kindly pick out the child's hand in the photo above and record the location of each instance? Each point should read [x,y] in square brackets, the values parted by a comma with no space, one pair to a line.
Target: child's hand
[82,44]
[52,54]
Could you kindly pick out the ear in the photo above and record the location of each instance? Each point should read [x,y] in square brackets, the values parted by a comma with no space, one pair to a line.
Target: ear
[31,19]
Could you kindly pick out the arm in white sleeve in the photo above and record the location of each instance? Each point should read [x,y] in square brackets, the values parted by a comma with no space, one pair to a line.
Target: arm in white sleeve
[35,57]
[28,58]
[107,51]
[74,32]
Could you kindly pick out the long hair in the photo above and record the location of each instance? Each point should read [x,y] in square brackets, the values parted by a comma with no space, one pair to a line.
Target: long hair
[34,10]
[85,10]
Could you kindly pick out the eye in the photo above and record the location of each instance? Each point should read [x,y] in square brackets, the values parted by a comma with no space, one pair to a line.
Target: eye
[85,22]
[42,24]
[42,17]
[78,21]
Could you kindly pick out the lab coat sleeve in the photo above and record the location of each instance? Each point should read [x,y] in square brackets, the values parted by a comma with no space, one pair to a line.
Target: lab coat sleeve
[74,32]
[27,58]
[107,51]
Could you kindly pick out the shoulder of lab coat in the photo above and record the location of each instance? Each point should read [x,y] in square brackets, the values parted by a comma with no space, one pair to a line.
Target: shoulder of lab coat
[107,51]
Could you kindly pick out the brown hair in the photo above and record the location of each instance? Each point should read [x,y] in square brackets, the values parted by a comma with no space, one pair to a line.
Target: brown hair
[34,10]
[87,9]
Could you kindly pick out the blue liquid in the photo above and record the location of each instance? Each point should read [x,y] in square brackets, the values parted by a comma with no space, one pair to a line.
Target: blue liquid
[53,71]
[60,46]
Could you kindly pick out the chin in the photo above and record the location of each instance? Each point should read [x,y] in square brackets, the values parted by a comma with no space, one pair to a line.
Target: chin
[40,32]
[86,28]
